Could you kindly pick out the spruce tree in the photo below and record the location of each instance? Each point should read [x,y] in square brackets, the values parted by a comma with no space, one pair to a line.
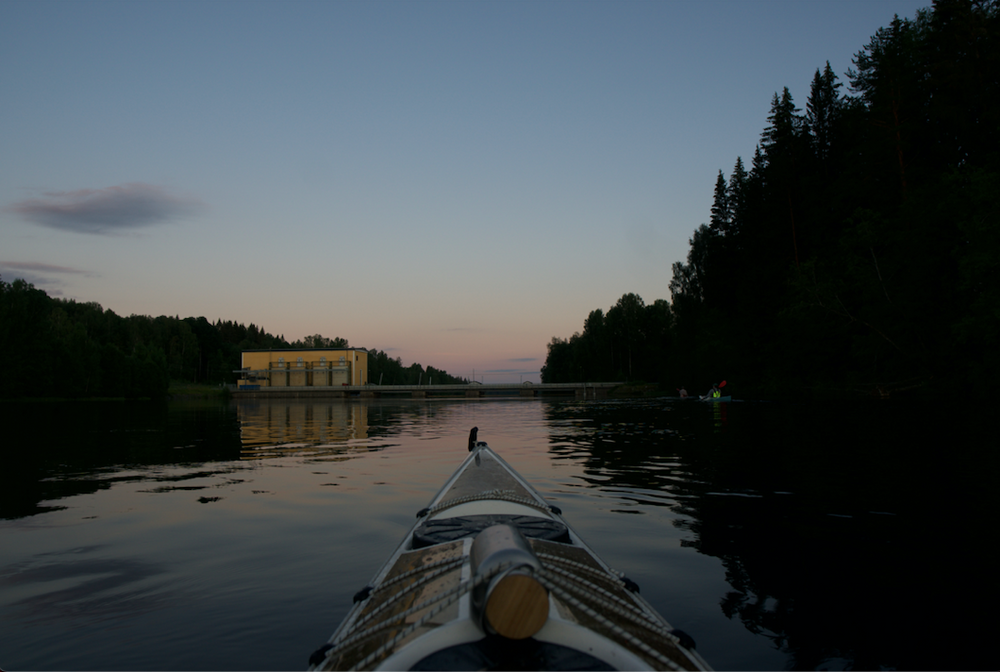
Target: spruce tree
[721,209]
[822,112]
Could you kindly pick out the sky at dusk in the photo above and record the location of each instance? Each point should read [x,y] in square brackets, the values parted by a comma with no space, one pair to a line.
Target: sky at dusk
[454,183]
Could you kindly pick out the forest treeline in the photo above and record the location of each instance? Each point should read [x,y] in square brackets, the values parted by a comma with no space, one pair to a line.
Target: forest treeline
[858,251]
[64,348]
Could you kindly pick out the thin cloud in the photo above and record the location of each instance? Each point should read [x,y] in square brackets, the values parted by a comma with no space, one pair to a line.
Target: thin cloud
[31,266]
[38,274]
[523,359]
[106,211]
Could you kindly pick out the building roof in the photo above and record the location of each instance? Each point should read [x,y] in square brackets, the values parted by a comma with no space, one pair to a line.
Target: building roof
[304,349]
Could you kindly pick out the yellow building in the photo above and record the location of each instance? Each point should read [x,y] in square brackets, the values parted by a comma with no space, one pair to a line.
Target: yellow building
[303,368]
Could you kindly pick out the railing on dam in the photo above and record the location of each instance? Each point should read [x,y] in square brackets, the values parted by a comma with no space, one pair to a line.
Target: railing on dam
[580,390]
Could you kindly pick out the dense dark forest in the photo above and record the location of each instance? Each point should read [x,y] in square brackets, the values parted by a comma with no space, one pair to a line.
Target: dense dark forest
[59,348]
[859,250]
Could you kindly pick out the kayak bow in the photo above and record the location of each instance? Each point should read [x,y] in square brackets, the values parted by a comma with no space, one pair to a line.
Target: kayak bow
[492,577]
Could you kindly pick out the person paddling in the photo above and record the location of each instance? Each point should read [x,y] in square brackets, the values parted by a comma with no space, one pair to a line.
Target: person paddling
[715,392]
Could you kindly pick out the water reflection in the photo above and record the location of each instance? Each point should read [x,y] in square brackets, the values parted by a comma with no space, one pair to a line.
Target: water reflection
[54,451]
[313,429]
[283,428]
[264,423]
[828,533]
[628,448]
[80,584]
[719,413]
[848,536]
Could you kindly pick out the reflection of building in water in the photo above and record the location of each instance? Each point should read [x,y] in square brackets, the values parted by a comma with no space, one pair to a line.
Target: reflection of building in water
[303,368]
[273,422]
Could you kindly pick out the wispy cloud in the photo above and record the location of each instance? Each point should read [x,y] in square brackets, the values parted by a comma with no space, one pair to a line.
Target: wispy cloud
[30,266]
[523,359]
[106,211]
[38,274]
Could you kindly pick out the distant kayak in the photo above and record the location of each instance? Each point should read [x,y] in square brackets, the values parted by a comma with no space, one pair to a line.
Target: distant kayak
[716,399]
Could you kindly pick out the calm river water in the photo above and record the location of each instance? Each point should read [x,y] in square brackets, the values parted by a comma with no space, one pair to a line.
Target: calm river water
[200,536]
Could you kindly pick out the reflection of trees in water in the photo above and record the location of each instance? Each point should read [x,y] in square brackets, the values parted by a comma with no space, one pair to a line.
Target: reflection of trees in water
[849,539]
[628,447]
[58,450]
[54,451]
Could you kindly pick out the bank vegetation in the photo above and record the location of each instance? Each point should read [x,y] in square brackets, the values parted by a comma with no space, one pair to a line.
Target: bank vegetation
[857,252]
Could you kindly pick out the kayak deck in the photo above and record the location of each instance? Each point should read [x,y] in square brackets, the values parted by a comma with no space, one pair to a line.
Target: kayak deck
[423,609]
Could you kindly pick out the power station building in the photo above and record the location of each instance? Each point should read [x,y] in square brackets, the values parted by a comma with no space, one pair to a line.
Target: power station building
[303,368]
